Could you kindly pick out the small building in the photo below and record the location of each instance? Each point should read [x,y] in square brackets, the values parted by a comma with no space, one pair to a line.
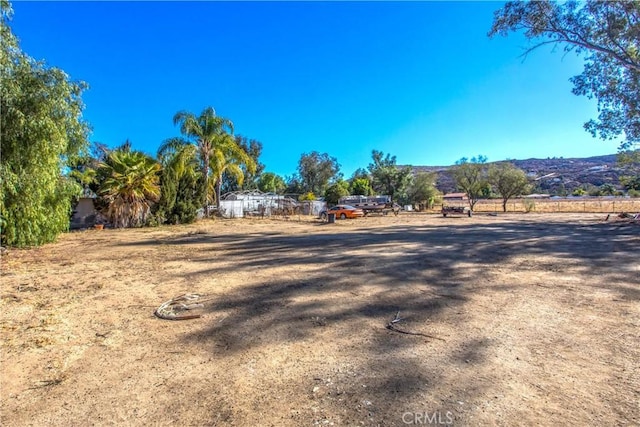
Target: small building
[84,212]
[457,197]
[537,196]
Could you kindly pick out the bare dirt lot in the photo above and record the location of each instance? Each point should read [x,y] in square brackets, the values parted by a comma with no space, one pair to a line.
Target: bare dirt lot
[534,319]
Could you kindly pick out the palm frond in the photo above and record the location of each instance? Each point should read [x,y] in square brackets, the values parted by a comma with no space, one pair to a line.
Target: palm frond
[171,146]
[132,183]
[235,171]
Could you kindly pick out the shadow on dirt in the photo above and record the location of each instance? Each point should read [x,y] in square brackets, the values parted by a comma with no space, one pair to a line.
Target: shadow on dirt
[357,281]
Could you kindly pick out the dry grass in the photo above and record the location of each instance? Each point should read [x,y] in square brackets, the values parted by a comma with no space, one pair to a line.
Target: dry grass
[562,206]
[538,313]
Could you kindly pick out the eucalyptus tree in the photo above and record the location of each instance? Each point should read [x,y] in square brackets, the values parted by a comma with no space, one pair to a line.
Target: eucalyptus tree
[387,177]
[605,33]
[316,171]
[41,134]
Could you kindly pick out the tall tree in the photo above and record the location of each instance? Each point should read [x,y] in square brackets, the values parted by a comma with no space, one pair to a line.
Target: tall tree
[316,171]
[360,183]
[41,134]
[629,161]
[293,185]
[269,182]
[180,185]
[423,190]
[360,173]
[130,187]
[387,178]
[606,33]
[360,187]
[509,181]
[228,157]
[471,178]
[335,191]
[204,131]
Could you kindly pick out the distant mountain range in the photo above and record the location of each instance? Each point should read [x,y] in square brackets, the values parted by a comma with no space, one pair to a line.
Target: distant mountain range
[555,176]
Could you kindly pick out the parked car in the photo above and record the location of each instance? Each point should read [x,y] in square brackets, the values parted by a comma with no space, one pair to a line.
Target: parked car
[342,212]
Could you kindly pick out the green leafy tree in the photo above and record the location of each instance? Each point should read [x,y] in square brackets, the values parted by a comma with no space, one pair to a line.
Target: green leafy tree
[471,178]
[360,187]
[205,132]
[130,187]
[335,191]
[316,171]
[561,190]
[181,192]
[629,160]
[608,190]
[269,182]
[508,181]
[41,134]
[423,190]
[387,178]
[632,183]
[606,34]
[360,183]
[360,173]
[294,185]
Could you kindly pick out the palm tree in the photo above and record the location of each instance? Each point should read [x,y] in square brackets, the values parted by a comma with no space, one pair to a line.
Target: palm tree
[203,131]
[178,157]
[227,156]
[131,184]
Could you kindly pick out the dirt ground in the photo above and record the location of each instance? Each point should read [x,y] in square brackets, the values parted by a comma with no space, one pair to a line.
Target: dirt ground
[534,320]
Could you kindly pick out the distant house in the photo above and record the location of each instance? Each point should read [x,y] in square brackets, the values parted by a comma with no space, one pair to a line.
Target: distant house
[537,196]
[84,213]
[449,197]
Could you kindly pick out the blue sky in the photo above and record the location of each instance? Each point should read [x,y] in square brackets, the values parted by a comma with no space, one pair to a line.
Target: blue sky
[419,80]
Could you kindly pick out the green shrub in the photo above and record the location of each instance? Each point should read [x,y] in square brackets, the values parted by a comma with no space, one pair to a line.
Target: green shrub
[529,205]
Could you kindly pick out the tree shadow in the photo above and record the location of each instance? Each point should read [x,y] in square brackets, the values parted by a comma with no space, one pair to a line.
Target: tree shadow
[355,283]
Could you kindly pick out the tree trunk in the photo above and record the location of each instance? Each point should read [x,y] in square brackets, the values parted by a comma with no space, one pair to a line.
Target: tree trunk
[218,187]
[504,205]
[205,174]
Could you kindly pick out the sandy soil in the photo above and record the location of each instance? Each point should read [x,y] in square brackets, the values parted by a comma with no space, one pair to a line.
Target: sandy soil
[536,320]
